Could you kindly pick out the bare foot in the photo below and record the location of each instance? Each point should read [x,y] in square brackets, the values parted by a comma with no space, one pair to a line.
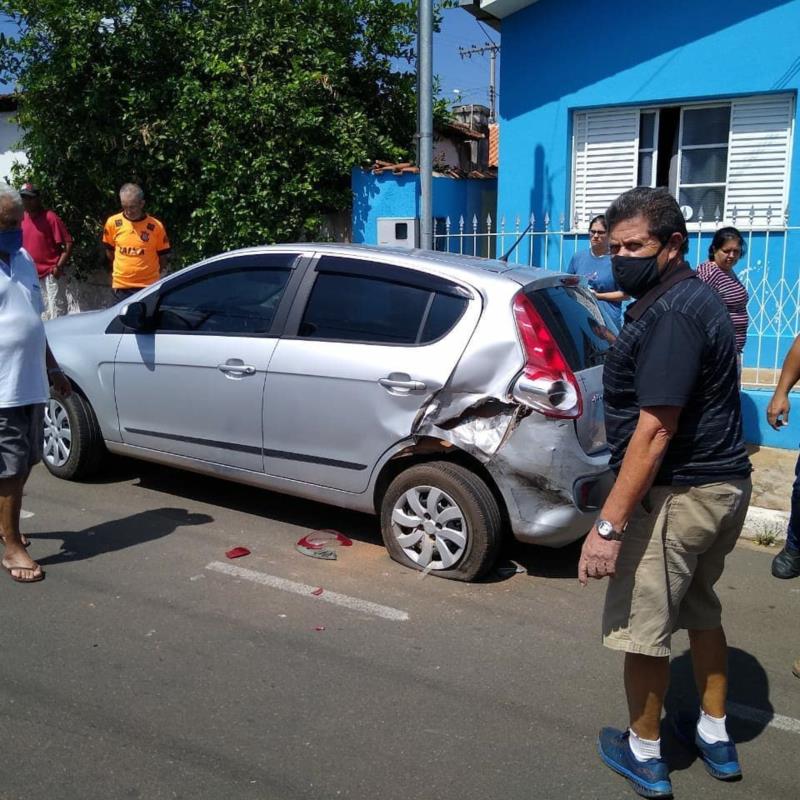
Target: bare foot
[21,567]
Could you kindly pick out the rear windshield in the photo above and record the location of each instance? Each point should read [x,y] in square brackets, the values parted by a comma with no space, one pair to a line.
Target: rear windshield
[574,319]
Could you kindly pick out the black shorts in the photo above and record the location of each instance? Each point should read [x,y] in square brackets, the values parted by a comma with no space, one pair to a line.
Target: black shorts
[21,439]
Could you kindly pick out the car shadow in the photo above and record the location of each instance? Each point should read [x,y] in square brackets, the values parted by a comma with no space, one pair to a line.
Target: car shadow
[258,502]
[536,561]
[108,537]
[514,556]
[749,706]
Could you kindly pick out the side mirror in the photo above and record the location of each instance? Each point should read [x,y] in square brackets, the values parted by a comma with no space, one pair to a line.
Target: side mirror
[134,316]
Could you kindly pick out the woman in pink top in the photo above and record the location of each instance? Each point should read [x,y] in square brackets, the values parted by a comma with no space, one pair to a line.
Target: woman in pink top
[726,249]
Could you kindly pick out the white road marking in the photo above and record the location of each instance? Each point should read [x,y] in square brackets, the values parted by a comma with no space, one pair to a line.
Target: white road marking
[355,603]
[765,717]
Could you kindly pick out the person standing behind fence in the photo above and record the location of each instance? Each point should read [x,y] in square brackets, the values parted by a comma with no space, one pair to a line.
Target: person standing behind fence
[136,244]
[49,244]
[727,247]
[595,265]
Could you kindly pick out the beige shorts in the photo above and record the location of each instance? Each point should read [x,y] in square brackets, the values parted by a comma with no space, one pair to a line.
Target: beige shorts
[670,559]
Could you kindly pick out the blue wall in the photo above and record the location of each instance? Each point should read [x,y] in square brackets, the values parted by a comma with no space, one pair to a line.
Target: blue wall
[754,420]
[561,56]
[388,195]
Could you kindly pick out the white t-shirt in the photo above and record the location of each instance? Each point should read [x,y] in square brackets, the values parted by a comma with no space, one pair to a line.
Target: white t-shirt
[23,369]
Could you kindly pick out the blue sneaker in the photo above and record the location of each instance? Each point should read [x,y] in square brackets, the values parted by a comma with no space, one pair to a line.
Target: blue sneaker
[648,778]
[720,759]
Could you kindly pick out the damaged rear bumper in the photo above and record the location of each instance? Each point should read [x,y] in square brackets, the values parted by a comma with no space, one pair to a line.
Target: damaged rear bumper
[552,489]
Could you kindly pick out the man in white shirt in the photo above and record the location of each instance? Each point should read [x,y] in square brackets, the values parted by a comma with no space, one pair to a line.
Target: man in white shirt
[26,363]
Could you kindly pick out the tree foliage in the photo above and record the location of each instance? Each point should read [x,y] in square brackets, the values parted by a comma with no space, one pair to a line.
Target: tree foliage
[240,118]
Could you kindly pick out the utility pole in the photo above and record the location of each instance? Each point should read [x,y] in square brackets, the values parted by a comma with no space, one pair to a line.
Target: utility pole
[492,50]
[425,121]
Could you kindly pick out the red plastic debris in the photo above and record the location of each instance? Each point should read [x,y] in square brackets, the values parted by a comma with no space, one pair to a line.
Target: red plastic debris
[320,628]
[320,543]
[318,591]
[325,538]
[237,552]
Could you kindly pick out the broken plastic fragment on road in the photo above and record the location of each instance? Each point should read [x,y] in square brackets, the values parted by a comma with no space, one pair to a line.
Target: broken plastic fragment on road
[318,591]
[237,552]
[320,543]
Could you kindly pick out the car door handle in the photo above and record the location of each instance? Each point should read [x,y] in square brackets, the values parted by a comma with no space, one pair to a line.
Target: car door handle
[407,384]
[236,369]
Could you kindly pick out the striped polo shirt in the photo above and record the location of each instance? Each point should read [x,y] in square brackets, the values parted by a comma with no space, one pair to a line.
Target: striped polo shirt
[677,348]
[733,295]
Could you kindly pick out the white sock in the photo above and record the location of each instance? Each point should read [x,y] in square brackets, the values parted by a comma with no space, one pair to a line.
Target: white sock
[712,729]
[643,749]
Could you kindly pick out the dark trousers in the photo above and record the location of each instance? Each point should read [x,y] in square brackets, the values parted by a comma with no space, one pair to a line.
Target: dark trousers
[793,531]
[124,294]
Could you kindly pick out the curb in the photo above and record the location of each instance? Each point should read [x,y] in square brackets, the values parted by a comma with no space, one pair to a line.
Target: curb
[763,520]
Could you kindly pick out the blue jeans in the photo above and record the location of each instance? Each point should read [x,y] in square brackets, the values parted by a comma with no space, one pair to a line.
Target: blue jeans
[793,531]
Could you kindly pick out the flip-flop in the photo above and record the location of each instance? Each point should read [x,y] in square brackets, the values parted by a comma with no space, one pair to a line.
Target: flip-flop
[37,577]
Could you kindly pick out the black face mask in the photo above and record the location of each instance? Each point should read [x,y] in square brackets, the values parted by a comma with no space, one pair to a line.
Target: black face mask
[636,275]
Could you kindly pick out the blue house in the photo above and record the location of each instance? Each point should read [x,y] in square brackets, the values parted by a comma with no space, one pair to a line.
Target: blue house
[698,97]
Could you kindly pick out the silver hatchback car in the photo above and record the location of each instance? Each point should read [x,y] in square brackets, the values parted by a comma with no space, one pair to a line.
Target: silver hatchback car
[457,398]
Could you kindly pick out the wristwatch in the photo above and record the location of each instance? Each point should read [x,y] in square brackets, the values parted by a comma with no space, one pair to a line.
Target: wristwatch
[606,531]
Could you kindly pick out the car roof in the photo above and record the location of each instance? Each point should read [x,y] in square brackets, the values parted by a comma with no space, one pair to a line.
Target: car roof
[436,262]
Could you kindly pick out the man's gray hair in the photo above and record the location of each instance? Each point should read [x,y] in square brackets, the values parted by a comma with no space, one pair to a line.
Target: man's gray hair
[657,206]
[10,199]
[132,190]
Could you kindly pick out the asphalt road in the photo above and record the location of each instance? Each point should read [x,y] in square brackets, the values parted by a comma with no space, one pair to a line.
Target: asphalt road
[148,665]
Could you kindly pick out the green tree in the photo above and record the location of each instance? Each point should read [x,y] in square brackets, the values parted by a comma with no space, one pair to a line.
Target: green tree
[241,118]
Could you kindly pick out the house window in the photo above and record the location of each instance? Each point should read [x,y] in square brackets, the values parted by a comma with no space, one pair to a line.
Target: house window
[713,157]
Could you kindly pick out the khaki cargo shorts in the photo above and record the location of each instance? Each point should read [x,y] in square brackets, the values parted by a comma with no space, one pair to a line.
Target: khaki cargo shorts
[669,561]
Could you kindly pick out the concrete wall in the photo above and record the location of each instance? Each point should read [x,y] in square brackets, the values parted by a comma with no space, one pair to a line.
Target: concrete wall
[756,429]
[388,195]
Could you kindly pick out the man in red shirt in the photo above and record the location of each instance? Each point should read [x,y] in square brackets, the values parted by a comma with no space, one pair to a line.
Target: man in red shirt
[49,244]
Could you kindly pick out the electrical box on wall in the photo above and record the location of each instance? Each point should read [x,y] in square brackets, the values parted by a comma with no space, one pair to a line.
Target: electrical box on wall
[398,231]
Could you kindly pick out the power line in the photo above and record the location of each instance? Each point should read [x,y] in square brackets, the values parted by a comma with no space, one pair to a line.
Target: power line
[492,49]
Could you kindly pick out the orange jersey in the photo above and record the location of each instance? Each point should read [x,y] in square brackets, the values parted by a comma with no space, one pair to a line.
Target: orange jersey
[137,246]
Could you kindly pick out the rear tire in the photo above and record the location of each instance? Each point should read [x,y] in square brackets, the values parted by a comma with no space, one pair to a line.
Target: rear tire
[73,442]
[442,518]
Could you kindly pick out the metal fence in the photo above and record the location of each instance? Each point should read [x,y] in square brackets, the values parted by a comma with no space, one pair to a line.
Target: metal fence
[770,269]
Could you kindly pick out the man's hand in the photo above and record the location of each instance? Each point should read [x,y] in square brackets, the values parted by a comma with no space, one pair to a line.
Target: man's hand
[57,271]
[598,558]
[778,410]
[60,382]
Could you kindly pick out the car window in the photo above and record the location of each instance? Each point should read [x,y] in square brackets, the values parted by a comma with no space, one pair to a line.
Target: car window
[577,325]
[362,309]
[445,311]
[235,301]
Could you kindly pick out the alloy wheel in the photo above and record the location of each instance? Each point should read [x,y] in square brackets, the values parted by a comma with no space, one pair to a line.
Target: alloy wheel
[430,527]
[57,434]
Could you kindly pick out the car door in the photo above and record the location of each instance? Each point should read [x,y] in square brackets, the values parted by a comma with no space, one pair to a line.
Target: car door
[194,386]
[368,344]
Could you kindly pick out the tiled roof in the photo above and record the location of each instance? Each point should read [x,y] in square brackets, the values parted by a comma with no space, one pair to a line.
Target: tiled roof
[459,128]
[494,145]
[407,168]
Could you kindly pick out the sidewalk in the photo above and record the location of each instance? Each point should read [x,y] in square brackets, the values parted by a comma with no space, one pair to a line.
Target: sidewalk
[773,474]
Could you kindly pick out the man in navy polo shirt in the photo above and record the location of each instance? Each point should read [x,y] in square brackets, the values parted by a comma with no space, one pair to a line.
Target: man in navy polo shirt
[674,428]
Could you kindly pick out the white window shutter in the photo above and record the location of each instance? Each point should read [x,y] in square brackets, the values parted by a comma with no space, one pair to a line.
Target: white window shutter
[605,159]
[758,159]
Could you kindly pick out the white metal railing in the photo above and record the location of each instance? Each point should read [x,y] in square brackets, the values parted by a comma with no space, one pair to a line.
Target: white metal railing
[770,270]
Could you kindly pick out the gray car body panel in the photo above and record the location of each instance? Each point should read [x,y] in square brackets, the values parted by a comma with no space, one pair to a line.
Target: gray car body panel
[535,461]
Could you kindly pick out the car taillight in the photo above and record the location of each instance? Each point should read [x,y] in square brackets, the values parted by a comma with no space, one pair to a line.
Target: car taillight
[547,384]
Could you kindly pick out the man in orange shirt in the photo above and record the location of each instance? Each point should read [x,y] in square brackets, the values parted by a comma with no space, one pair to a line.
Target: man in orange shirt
[136,244]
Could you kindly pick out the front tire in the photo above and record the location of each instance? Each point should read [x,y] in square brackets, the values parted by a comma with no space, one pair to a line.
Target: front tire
[442,518]
[73,443]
